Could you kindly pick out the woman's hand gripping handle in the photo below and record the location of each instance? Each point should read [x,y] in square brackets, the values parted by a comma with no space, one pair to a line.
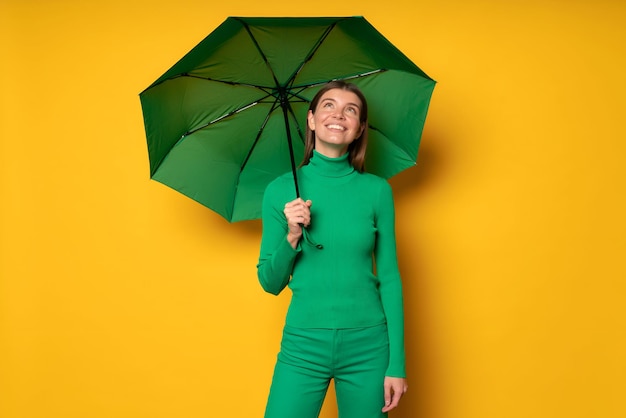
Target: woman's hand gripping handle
[298,214]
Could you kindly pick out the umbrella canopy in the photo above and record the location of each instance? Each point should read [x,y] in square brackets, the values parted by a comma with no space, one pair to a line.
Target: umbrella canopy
[230,116]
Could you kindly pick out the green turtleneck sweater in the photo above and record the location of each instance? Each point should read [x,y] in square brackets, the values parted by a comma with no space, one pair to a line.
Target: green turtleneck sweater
[352,281]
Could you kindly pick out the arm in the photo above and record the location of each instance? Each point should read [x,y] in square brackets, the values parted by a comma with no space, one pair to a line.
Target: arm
[391,296]
[390,284]
[282,230]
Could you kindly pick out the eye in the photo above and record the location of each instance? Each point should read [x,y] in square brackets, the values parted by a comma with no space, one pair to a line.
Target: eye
[352,110]
[327,104]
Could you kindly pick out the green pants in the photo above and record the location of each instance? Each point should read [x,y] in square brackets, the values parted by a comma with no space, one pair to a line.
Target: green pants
[356,358]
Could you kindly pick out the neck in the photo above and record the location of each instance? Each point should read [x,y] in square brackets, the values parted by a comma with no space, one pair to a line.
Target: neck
[331,152]
[325,166]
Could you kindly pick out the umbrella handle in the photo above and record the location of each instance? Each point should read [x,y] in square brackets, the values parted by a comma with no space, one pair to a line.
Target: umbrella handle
[307,239]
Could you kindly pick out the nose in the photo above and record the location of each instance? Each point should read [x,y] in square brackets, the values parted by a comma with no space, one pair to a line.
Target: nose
[338,113]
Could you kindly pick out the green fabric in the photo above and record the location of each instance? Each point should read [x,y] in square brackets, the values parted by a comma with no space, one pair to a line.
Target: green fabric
[355,358]
[214,122]
[352,218]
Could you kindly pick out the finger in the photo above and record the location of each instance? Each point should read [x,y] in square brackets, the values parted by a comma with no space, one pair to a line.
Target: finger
[297,211]
[395,399]
[298,219]
[296,208]
[305,207]
[306,219]
[394,403]
[396,394]
[387,397]
[299,202]
[295,202]
[303,214]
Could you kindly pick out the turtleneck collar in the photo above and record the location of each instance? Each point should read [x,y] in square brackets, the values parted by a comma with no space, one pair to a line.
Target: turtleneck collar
[330,167]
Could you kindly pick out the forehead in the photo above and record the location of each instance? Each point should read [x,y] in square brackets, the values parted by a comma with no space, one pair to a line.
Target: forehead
[341,96]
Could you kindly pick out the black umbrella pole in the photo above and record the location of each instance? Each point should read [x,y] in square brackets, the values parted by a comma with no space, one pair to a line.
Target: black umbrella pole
[291,155]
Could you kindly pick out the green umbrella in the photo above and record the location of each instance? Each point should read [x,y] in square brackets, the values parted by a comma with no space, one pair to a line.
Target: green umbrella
[229,117]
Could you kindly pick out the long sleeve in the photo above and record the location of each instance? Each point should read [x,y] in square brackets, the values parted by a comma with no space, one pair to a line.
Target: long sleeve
[277,257]
[390,283]
[336,285]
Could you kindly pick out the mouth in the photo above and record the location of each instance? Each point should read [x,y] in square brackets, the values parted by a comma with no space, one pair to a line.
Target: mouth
[336,127]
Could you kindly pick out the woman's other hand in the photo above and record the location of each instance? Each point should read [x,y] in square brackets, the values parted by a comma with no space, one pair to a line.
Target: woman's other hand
[298,214]
[395,388]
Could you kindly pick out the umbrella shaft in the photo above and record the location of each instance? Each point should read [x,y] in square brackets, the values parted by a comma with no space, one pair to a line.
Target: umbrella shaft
[283,105]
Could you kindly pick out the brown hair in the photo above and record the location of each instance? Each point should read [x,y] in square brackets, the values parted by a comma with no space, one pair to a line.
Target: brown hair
[356,150]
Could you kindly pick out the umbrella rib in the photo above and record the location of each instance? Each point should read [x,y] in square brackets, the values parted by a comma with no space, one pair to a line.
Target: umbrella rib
[258,47]
[258,135]
[293,115]
[231,83]
[303,87]
[310,55]
[275,106]
[312,52]
[226,115]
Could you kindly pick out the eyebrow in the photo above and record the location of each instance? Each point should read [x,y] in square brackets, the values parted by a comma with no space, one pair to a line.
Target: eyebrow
[333,100]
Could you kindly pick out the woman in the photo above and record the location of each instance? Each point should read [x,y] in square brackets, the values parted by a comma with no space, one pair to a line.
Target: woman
[336,251]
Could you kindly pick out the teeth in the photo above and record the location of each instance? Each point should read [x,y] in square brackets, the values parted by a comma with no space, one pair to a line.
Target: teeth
[336,127]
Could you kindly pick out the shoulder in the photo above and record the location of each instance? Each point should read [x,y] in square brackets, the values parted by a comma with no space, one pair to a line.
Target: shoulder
[379,191]
[281,180]
[281,186]
[375,182]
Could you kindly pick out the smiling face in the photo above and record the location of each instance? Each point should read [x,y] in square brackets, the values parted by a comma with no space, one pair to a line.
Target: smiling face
[336,122]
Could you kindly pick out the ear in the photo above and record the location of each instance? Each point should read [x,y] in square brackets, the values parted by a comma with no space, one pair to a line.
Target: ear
[362,128]
[311,120]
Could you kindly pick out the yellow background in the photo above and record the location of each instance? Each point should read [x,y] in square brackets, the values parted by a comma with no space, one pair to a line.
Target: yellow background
[122,298]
